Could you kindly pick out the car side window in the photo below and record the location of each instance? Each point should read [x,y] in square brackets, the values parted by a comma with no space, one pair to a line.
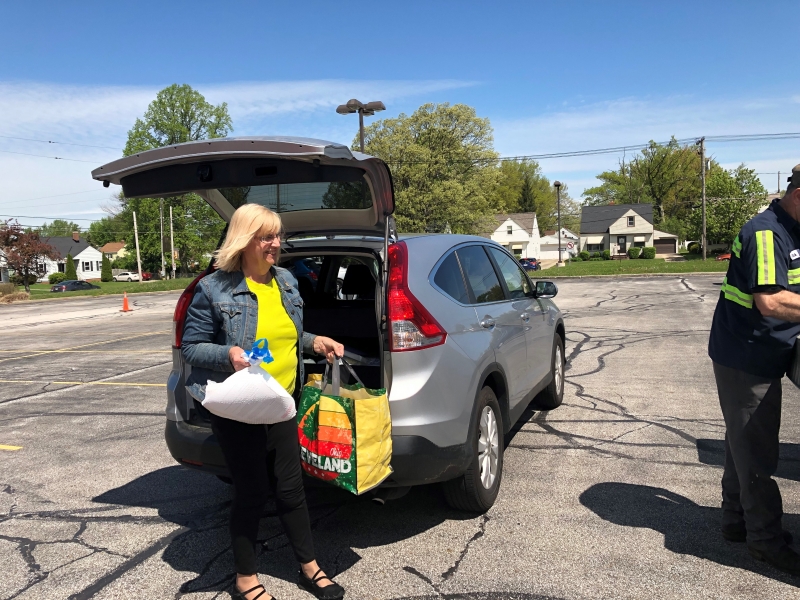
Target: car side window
[448,278]
[481,274]
[516,281]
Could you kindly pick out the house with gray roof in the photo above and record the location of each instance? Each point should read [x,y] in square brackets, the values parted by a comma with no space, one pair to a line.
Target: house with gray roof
[88,259]
[617,227]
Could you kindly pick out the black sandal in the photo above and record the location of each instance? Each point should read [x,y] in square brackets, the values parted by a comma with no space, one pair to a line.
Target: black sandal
[243,595]
[330,592]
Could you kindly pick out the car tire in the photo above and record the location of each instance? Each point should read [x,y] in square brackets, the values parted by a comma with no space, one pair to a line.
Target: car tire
[553,395]
[129,280]
[225,479]
[476,490]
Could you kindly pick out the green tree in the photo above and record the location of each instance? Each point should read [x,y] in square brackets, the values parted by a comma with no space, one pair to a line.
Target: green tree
[733,197]
[443,166]
[58,228]
[178,114]
[69,272]
[105,273]
[113,228]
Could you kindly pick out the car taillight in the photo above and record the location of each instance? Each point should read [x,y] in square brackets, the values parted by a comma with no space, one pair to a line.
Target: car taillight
[179,318]
[312,275]
[412,326]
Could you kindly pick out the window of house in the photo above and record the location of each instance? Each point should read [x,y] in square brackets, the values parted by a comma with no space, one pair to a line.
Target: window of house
[62,267]
[638,244]
[631,221]
[449,279]
[509,229]
[480,274]
[86,265]
[594,247]
[99,265]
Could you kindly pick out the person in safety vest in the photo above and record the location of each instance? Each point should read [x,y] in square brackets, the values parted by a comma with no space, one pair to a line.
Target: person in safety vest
[755,327]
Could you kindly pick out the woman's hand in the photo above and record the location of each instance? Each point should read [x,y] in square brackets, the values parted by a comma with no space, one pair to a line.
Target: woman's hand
[328,347]
[237,362]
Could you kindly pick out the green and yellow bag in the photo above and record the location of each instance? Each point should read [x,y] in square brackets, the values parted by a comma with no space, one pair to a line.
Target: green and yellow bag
[345,431]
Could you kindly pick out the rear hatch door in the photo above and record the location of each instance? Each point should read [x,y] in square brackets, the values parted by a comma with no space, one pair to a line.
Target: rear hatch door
[318,187]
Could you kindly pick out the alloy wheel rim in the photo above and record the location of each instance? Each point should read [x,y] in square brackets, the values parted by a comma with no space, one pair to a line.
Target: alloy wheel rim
[488,447]
[559,375]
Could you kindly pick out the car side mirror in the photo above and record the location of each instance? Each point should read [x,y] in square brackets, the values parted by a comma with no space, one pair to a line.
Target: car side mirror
[546,289]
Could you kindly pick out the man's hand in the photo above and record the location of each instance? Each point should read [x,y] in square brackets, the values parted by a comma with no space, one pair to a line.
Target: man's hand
[237,362]
[783,305]
[328,347]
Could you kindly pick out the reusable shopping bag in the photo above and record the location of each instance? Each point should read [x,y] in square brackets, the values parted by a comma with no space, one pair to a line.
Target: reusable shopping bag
[251,395]
[345,431]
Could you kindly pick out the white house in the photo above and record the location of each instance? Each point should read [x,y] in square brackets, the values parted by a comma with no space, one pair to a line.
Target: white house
[88,259]
[519,232]
[570,243]
[617,227]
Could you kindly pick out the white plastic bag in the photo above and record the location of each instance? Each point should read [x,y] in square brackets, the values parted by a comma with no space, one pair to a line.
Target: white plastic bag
[250,396]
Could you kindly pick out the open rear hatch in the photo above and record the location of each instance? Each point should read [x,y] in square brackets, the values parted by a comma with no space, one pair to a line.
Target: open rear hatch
[318,187]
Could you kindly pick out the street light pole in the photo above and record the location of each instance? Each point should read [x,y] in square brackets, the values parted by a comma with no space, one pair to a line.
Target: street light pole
[557,184]
[356,106]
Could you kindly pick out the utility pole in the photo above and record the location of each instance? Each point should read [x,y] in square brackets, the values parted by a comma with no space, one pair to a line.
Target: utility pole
[136,238]
[161,214]
[703,177]
[557,185]
[172,242]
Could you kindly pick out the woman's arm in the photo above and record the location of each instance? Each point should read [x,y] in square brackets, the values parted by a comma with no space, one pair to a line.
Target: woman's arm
[200,331]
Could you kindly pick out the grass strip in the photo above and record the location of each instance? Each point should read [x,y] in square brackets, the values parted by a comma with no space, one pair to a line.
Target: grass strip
[41,291]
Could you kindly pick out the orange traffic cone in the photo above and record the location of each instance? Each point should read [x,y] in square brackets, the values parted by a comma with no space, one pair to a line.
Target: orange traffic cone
[125,307]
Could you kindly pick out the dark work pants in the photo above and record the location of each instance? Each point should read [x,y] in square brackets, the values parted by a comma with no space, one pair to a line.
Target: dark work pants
[259,456]
[751,406]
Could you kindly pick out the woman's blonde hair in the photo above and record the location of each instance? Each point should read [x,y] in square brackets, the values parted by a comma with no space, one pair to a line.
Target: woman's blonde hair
[248,221]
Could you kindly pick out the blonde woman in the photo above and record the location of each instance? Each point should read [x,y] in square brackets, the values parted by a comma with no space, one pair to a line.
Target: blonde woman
[249,297]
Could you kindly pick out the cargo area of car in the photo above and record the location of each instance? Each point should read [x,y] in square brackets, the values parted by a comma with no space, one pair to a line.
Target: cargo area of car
[340,291]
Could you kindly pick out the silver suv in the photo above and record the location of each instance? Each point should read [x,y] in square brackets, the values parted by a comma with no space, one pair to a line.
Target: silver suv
[450,325]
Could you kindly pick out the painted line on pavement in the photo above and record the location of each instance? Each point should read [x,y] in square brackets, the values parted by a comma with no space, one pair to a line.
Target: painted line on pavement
[10,448]
[91,351]
[42,353]
[123,383]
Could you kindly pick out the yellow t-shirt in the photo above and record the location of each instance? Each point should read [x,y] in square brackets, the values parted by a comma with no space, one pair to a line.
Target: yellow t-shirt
[275,324]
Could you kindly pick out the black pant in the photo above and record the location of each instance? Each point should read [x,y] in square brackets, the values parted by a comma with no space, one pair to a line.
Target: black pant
[258,456]
[751,406]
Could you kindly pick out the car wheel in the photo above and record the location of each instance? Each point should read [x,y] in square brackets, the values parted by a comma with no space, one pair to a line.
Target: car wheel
[477,489]
[225,479]
[129,280]
[552,396]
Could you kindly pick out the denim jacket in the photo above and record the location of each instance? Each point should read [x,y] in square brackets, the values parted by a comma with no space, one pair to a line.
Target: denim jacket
[223,314]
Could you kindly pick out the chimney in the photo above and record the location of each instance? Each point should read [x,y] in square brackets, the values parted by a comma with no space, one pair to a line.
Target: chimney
[76,236]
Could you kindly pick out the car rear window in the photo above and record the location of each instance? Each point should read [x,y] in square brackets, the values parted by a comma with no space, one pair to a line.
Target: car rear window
[287,197]
[480,274]
[449,279]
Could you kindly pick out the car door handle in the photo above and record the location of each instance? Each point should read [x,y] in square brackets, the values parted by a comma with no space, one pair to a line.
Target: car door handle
[487,323]
[525,317]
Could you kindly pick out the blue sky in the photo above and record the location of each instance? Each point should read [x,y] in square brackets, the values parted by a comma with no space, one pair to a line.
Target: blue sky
[551,76]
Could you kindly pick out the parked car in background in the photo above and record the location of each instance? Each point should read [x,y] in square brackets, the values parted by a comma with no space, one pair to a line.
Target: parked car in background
[146,276]
[73,285]
[530,264]
[127,276]
[450,325]
[724,256]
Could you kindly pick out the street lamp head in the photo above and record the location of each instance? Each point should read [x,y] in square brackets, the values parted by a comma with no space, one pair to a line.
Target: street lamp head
[354,105]
[374,107]
[343,109]
[557,184]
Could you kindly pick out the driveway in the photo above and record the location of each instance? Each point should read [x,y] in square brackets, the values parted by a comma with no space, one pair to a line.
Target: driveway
[614,494]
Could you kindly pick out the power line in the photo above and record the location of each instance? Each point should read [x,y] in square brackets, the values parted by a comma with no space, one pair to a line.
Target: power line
[9,137]
[94,162]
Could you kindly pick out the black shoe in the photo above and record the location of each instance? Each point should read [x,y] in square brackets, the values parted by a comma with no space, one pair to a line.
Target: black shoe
[237,595]
[330,592]
[785,559]
[738,533]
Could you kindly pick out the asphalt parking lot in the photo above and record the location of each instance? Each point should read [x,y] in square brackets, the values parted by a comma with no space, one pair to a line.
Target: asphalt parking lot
[613,495]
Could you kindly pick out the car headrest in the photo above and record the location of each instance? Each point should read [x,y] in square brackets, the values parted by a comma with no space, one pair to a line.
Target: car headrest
[358,281]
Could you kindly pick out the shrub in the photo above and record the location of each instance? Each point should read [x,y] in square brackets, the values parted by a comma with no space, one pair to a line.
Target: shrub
[17,279]
[14,297]
[649,252]
[694,248]
[69,272]
[576,259]
[634,252]
[56,278]
[7,288]
[606,254]
[584,255]
[595,258]
[105,273]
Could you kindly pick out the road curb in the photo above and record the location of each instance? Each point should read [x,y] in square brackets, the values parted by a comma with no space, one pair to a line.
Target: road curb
[701,273]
